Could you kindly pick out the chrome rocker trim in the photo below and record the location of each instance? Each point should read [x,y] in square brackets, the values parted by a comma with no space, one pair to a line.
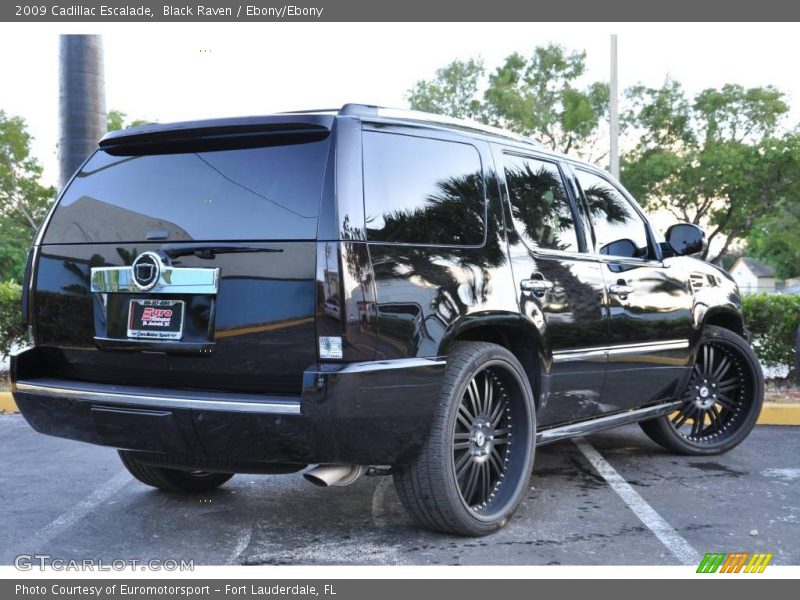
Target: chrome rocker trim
[549,436]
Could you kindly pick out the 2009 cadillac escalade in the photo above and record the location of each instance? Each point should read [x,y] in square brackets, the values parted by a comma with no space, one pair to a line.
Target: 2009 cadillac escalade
[369,290]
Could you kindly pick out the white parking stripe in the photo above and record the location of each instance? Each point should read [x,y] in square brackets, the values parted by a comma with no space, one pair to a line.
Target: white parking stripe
[646,513]
[42,537]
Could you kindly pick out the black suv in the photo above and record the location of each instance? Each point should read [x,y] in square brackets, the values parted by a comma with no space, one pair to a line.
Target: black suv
[369,291]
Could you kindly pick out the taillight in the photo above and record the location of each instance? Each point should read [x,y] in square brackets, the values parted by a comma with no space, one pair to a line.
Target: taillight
[26,287]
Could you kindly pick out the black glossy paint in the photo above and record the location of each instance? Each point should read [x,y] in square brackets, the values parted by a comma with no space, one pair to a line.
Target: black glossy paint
[388,300]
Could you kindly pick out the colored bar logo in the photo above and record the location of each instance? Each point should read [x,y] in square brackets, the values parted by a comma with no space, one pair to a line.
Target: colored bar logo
[734,562]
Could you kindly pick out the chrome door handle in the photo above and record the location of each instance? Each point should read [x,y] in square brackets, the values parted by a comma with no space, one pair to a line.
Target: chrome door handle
[537,286]
[620,289]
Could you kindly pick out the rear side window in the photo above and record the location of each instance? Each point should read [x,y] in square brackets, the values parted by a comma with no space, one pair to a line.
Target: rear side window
[422,191]
[540,206]
[264,193]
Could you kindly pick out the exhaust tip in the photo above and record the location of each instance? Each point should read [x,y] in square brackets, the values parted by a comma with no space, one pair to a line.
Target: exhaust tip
[328,475]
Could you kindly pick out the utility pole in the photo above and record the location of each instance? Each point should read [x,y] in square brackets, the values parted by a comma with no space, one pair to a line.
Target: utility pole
[81,101]
[613,109]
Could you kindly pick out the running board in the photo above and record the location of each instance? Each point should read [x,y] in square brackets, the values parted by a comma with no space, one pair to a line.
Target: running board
[585,427]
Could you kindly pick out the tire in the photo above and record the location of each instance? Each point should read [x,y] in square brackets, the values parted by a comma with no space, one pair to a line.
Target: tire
[474,436]
[172,480]
[729,408]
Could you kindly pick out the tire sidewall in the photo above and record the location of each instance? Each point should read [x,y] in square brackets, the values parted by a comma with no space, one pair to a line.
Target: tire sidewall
[491,354]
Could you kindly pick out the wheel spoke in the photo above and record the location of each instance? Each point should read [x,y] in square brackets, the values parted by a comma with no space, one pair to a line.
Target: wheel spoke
[473,397]
[725,401]
[461,445]
[487,480]
[498,412]
[462,464]
[697,424]
[463,420]
[724,367]
[472,483]
[464,409]
[494,460]
[716,419]
[487,386]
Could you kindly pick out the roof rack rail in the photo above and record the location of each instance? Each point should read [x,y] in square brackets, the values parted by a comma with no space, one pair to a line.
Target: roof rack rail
[369,110]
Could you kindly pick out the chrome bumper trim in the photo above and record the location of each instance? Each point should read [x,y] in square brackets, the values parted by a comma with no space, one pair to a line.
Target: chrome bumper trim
[158,397]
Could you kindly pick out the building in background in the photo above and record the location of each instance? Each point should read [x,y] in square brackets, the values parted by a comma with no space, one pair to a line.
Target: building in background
[753,276]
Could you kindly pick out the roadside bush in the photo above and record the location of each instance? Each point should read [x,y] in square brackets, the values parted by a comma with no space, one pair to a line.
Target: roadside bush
[11,330]
[773,320]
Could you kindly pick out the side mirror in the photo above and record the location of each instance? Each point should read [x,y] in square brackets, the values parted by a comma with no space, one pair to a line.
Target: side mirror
[624,247]
[686,239]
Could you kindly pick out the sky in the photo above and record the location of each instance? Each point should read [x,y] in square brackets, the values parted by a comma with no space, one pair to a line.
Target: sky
[175,72]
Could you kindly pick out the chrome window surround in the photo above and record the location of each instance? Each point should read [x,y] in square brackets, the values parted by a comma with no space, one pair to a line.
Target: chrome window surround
[171,280]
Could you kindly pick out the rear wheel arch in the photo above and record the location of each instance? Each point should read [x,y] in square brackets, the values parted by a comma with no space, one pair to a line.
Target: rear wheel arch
[510,332]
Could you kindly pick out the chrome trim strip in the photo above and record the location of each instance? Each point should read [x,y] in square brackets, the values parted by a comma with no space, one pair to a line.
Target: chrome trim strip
[585,427]
[575,355]
[385,365]
[653,347]
[172,280]
[159,398]
[617,349]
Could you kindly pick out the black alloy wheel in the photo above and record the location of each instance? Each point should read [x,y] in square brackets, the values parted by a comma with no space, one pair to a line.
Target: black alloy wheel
[473,471]
[721,401]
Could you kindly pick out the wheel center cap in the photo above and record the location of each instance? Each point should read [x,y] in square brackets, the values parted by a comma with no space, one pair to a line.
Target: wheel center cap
[704,392]
[480,439]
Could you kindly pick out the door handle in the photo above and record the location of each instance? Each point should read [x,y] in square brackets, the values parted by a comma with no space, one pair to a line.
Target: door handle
[621,289]
[537,286]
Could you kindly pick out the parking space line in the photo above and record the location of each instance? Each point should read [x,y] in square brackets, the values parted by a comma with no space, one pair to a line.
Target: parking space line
[676,544]
[79,511]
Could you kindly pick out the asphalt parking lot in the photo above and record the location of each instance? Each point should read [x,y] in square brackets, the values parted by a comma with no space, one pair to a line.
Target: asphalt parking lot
[637,505]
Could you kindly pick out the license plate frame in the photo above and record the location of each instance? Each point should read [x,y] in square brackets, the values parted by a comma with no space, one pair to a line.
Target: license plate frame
[162,324]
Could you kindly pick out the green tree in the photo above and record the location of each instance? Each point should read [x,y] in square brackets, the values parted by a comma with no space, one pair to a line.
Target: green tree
[720,160]
[116,121]
[538,96]
[775,239]
[23,199]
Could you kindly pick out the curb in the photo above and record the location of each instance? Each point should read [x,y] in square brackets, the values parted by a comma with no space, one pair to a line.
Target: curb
[772,413]
[7,403]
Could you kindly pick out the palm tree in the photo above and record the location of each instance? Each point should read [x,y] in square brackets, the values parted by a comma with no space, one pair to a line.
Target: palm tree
[82,102]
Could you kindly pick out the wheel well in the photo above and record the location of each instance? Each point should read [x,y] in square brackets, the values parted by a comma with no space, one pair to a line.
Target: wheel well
[513,340]
[727,320]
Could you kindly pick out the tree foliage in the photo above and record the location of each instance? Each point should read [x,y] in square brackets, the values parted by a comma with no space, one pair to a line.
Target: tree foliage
[720,160]
[23,199]
[775,239]
[539,96]
[116,120]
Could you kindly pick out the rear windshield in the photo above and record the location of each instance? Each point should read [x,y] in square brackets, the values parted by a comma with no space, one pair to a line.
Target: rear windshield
[264,193]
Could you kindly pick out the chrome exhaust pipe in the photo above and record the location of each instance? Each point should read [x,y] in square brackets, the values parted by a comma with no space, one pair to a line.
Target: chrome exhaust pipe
[328,475]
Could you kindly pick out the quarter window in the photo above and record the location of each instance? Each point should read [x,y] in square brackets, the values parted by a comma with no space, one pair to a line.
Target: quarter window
[619,230]
[422,190]
[539,204]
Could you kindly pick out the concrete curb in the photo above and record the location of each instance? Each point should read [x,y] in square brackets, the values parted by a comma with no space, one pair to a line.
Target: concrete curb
[772,413]
[7,403]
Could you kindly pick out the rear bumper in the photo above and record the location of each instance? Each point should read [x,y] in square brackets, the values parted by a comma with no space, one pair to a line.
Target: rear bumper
[366,413]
